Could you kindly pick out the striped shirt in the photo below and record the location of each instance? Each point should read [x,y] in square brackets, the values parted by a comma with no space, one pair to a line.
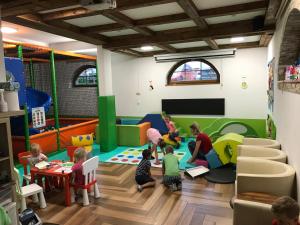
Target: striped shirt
[143,168]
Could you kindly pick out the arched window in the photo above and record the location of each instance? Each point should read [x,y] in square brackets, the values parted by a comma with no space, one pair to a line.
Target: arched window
[85,76]
[195,71]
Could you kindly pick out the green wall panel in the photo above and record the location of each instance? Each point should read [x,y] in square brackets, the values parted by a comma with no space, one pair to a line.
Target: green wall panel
[107,123]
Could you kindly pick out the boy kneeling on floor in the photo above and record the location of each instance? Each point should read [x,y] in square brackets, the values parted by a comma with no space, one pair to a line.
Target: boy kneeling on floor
[170,170]
[143,175]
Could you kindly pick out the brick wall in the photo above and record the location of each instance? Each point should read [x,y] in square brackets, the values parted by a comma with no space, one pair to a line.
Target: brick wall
[72,101]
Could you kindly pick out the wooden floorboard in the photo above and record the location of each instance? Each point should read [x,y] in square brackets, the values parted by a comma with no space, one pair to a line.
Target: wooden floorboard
[199,202]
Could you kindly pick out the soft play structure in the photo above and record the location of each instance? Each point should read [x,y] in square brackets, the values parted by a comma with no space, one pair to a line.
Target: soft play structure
[29,96]
[57,133]
[226,147]
[157,122]
[132,135]
[229,127]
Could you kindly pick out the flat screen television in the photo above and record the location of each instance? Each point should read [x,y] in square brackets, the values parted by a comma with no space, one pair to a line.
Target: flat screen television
[204,106]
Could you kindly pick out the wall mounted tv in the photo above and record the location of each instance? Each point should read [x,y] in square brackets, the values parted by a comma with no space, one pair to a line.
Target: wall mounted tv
[204,106]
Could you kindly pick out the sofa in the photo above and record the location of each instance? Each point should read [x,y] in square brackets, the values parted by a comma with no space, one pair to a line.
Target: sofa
[260,176]
[263,142]
[262,153]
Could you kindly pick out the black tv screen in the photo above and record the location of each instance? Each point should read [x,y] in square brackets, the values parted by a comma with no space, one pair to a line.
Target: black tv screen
[207,106]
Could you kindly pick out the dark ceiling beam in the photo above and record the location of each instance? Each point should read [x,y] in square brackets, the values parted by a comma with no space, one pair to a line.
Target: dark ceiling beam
[54,29]
[265,40]
[191,10]
[129,23]
[220,11]
[222,30]
[205,48]
[126,21]
[121,5]
[206,13]
[31,7]
[273,6]
[270,18]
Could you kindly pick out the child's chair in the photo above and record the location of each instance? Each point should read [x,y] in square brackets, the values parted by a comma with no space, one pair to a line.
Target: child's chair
[89,171]
[29,190]
[24,163]
[70,152]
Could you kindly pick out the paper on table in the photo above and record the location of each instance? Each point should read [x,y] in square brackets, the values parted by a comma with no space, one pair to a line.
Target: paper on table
[42,165]
[65,169]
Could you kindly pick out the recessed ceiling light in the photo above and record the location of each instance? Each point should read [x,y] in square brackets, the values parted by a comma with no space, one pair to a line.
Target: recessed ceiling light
[146,48]
[85,50]
[8,30]
[237,39]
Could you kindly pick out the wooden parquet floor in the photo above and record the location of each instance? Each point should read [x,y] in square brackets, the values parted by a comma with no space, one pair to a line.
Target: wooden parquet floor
[199,202]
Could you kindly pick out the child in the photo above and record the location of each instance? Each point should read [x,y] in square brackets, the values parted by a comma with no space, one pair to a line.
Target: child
[79,158]
[173,132]
[170,170]
[286,211]
[143,175]
[156,139]
[36,155]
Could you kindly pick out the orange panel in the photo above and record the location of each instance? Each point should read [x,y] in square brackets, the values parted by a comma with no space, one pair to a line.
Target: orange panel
[143,132]
[78,129]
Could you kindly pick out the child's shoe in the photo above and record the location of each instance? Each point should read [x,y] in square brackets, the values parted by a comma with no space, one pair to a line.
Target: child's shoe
[139,188]
[173,187]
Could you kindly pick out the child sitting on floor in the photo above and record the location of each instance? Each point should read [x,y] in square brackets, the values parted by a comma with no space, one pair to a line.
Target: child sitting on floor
[79,158]
[36,155]
[143,175]
[286,211]
[170,170]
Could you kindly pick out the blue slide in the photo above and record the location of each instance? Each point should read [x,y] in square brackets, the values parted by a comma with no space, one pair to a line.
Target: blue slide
[33,98]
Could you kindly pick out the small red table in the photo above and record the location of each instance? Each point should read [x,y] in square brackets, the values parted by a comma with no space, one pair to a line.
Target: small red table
[52,172]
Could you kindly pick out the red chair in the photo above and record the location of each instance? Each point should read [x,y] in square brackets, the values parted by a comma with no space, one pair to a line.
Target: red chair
[23,159]
[70,152]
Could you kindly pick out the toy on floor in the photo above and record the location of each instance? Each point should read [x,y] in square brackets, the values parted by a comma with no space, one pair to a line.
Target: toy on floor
[226,147]
[168,141]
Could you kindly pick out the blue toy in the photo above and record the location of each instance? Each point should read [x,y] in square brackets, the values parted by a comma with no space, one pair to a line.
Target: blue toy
[213,159]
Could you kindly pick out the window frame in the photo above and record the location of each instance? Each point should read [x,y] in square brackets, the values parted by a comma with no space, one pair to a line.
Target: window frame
[77,75]
[192,82]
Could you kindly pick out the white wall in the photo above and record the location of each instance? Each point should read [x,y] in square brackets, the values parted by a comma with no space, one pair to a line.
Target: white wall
[132,75]
[286,106]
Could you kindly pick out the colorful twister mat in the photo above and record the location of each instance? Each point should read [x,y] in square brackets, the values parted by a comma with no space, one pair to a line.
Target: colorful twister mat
[133,156]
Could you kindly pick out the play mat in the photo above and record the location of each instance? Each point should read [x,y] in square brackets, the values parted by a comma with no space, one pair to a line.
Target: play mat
[133,156]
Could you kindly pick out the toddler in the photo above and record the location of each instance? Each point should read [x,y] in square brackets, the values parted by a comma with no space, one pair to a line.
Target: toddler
[286,211]
[143,175]
[36,155]
[79,158]
[170,170]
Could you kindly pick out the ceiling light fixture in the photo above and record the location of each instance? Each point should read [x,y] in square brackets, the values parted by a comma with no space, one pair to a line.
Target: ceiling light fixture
[237,39]
[85,50]
[8,30]
[147,48]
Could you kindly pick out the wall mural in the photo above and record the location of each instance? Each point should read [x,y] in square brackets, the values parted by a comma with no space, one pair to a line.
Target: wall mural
[271,69]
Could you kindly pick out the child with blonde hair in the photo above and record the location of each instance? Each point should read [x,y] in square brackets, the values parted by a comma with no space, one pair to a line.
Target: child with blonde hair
[79,158]
[36,154]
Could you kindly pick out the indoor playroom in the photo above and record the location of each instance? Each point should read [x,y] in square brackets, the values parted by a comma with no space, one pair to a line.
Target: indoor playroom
[149,112]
